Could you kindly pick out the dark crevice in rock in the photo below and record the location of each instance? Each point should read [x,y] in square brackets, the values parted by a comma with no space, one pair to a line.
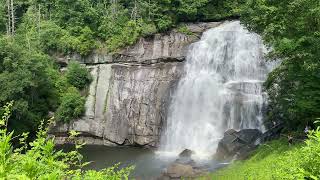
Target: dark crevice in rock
[82,134]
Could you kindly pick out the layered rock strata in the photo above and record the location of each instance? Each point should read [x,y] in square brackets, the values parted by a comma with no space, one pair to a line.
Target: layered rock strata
[130,92]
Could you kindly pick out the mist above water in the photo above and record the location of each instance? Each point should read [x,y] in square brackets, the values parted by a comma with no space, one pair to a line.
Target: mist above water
[222,89]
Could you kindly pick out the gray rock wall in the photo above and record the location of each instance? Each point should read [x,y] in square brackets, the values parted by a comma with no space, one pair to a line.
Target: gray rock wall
[130,91]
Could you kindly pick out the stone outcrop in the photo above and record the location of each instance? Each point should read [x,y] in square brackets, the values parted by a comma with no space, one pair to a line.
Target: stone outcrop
[238,144]
[181,171]
[186,153]
[168,47]
[130,91]
[184,168]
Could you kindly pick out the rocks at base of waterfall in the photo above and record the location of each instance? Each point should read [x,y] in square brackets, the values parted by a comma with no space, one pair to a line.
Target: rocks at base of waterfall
[183,167]
[179,170]
[186,153]
[238,144]
[185,158]
[273,132]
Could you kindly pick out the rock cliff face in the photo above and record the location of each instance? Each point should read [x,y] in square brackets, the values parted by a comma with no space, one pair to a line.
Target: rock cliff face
[130,91]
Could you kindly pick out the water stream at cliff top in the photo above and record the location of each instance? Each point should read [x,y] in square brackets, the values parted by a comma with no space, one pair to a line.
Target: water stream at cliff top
[221,89]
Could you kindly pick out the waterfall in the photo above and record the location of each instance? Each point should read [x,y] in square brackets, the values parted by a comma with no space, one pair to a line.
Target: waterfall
[221,89]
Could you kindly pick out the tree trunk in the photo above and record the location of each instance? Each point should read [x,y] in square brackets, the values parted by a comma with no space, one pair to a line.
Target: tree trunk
[113,7]
[39,19]
[9,18]
[134,11]
[12,18]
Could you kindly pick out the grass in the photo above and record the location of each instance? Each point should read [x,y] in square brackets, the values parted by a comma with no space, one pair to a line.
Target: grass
[263,164]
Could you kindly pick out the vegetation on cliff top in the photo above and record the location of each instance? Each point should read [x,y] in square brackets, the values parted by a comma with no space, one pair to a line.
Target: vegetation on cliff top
[84,25]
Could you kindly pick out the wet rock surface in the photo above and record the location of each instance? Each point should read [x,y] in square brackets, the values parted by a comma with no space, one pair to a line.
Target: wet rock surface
[184,167]
[179,171]
[238,144]
[187,153]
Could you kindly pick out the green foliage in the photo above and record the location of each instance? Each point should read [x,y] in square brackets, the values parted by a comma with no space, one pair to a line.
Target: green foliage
[292,29]
[184,30]
[189,10]
[24,79]
[73,14]
[77,75]
[71,107]
[30,78]
[113,23]
[84,42]
[2,16]
[53,38]
[42,161]
[78,25]
[278,160]
[127,36]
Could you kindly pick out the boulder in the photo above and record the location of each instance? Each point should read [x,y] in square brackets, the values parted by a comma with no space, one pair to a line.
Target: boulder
[183,167]
[238,144]
[186,153]
[179,171]
[273,132]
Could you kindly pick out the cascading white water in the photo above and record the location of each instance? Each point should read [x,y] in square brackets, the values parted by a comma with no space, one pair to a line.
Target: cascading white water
[222,89]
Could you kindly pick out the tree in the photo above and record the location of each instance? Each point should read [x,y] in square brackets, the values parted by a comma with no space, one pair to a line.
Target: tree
[71,107]
[10,17]
[77,75]
[2,16]
[24,79]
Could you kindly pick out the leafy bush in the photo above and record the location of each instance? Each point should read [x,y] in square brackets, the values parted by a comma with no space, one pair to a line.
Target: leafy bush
[53,38]
[83,41]
[184,30]
[148,29]
[113,23]
[77,75]
[71,107]
[164,23]
[24,78]
[128,36]
[42,161]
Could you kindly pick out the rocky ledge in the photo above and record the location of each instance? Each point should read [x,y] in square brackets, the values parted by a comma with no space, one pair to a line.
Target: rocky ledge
[240,144]
[130,92]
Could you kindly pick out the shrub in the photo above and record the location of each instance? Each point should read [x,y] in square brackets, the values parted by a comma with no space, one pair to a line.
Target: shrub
[184,30]
[148,29]
[40,160]
[77,75]
[84,40]
[53,38]
[164,23]
[128,36]
[71,107]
